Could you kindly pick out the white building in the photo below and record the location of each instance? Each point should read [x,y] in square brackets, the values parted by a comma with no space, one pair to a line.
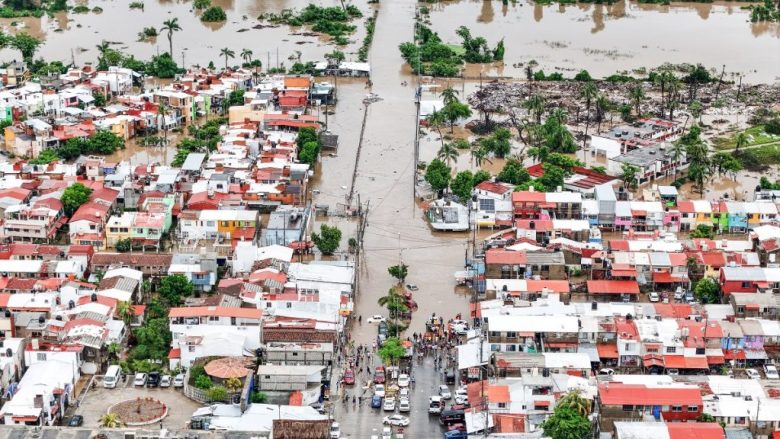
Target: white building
[41,394]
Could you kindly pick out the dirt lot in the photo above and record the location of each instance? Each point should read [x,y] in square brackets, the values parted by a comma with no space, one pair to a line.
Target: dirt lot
[99,399]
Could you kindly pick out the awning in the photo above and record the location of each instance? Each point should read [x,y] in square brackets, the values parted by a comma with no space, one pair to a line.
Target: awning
[755,354]
[24,418]
[555,344]
[651,360]
[682,362]
[734,354]
[541,403]
[762,284]
[607,351]
[714,359]
[624,273]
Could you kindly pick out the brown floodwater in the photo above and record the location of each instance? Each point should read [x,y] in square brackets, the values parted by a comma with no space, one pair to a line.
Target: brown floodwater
[623,36]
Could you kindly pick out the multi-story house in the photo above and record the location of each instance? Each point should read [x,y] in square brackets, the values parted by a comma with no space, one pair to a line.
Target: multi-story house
[672,403]
[494,204]
[532,333]
[219,224]
[38,221]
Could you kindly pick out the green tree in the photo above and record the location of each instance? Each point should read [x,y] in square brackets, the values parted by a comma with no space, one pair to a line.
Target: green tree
[399,272]
[45,157]
[233,384]
[24,43]
[449,95]
[696,151]
[479,154]
[536,105]
[575,401]
[328,239]
[102,48]
[438,175]
[391,351]
[514,173]
[707,291]
[174,288]
[201,4]
[154,340]
[246,54]
[217,394]
[448,153]
[583,75]
[124,245]
[213,14]
[394,302]
[73,197]
[125,311]
[227,53]
[203,382]
[726,163]
[628,175]
[589,93]
[498,143]
[741,140]
[481,176]
[566,422]
[697,109]
[170,26]
[100,99]
[703,231]
[462,185]
[455,111]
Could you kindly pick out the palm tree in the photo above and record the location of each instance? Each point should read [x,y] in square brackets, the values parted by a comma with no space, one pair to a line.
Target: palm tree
[663,79]
[449,95]
[227,53]
[171,26]
[394,302]
[603,105]
[637,95]
[110,420]
[102,48]
[162,111]
[576,402]
[246,54]
[589,92]
[435,121]
[535,106]
[448,153]
[560,115]
[678,150]
[741,140]
[479,155]
[125,311]
[673,98]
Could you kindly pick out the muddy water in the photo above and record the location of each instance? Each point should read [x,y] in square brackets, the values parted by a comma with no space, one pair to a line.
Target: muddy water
[626,35]
[75,35]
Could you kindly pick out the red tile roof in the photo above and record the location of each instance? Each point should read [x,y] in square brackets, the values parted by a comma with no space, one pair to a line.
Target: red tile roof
[502,256]
[490,186]
[613,287]
[695,430]
[682,362]
[637,394]
[216,311]
[528,196]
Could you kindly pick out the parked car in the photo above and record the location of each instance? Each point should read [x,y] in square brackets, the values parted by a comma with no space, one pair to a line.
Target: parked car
[387,433]
[76,421]
[375,319]
[606,371]
[456,434]
[444,392]
[654,297]
[178,380]
[140,379]
[404,405]
[462,390]
[412,287]
[771,372]
[403,380]
[165,381]
[376,402]
[435,405]
[689,297]
[154,379]
[379,375]
[457,427]
[389,404]
[379,390]
[397,420]
[752,373]
[335,431]
[403,392]
[462,399]
[678,294]
[349,376]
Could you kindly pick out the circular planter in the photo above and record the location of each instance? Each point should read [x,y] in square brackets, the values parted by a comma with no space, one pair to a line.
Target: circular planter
[139,411]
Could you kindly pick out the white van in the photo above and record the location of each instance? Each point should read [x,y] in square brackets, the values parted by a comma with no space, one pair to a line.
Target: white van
[113,375]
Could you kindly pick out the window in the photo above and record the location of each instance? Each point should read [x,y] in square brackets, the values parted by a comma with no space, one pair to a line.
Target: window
[628,408]
[41,356]
[676,408]
[671,349]
[693,408]
[511,335]
[699,351]
[745,284]
[502,405]
[213,318]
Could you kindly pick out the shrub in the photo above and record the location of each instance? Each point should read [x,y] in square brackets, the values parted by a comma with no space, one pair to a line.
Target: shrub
[214,14]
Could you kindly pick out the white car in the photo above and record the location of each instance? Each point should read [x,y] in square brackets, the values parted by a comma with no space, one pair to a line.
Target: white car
[165,381]
[461,399]
[335,432]
[375,319]
[771,372]
[462,391]
[411,287]
[444,392]
[752,373]
[654,297]
[379,390]
[397,420]
[606,371]
[403,380]
[403,393]
[404,405]
[389,404]
[140,379]
[178,380]
[387,433]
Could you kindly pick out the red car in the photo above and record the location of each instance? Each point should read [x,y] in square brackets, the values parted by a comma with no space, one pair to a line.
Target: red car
[349,376]
[379,375]
[459,427]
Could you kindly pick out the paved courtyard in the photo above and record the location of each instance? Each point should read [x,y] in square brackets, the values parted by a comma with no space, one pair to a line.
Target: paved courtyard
[99,399]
